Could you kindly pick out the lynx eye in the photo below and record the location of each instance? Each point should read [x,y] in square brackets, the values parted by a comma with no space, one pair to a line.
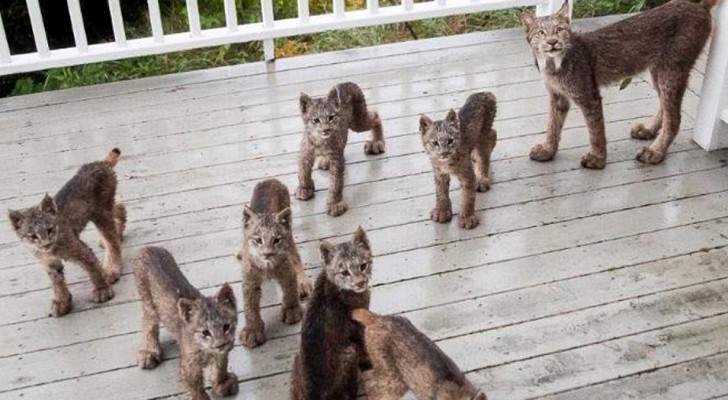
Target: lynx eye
[34,237]
[50,230]
[206,333]
[277,240]
[450,140]
[226,328]
[258,241]
[332,118]
[364,267]
[434,143]
[541,32]
[317,121]
[345,273]
[559,29]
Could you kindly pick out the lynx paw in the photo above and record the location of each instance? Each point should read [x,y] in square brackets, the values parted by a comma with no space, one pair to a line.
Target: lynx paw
[291,315]
[112,274]
[591,161]
[483,185]
[322,163]
[539,152]
[148,359]
[252,337]
[336,209]
[60,308]
[304,193]
[227,388]
[305,288]
[468,222]
[104,294]
[648,156]
[373,147]
[641,132]
[441,214]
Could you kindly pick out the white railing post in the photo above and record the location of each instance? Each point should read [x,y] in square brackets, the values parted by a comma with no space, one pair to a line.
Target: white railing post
[442,3]
[303,12]
[117,22]
[231,15]
[79,31]
[4,48]
[407,4]
[710,131]
[269,48]
[193,16]
[155,19]
[373,6]
[339,9]
[39,33]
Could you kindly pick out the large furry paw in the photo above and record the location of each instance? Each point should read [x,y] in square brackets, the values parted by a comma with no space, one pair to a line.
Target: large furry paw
[291,315]
[539,152]
[336,209]
[591,161]
[148,359]
[468,222]
[112,274]
[322,163]
[648,156]
[441,213]
[641,132]
[104,294]
[372,147]
[483,185]
[60,308]
[304,193]
[228,387]
[252,337]
[305,288]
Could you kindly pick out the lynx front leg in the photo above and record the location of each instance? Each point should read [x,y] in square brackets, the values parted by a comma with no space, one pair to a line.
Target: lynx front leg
[468,186]
[557,115]
[150,351]
[253,334]
[591,107]
[287,277]
[443,208]
[79,252]
[335,204]
[224,383]
[305,286]
[62,299]
[305,188]
[192,376]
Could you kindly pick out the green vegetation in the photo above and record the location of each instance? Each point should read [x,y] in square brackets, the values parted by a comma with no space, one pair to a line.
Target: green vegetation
[175,20]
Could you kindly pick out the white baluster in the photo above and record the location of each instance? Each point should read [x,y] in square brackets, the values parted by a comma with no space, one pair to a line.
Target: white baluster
[303,12]
[231,15]
[155,18]
[4,48]
[117,22]
[79,31]
[339,8]
[193,16]
[39,33]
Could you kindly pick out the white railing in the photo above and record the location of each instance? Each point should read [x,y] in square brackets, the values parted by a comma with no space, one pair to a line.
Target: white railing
[233,32]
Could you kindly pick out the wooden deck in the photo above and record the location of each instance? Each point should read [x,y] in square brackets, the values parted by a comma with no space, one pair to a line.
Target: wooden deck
[577,284]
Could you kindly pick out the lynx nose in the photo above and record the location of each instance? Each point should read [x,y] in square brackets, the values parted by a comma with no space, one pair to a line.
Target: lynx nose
[552,42]
[268,252]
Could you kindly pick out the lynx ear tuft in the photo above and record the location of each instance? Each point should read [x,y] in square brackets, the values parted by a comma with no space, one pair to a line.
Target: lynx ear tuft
[326,251]
[187,309]
[425,123]
[303,102]
[284,217]
[226,297]
[15,217]
[335,96]
[249,216]
[452,118]
[564,11]
[48,206]
[360,238]
[528,18]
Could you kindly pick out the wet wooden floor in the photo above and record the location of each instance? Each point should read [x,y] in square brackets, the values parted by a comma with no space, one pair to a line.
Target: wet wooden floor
[577,284]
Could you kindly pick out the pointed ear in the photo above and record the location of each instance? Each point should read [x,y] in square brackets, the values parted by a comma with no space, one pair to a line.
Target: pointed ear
[249,216]
[326,251]
[303,102]
[360,238]
[425,123]
[480,396]
[563,12]
[335,96]
[187,309]
[15,218]
[452,118]
[284,217]
[48,206]
[528,18]
[226,297]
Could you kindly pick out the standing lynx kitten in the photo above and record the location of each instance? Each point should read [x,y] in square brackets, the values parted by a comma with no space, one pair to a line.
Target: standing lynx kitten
[402,359]
[204,326]
[665,40]
[51,230]
[327,121]
[452,144]
[269,252]
[327,364]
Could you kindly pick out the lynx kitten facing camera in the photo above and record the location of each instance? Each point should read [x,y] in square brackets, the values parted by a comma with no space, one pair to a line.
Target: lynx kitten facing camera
[51,230]
[327,121]
[204,326]
[452,145]
[269,252]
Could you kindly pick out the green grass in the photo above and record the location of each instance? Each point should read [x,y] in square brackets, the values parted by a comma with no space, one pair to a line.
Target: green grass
[175,20]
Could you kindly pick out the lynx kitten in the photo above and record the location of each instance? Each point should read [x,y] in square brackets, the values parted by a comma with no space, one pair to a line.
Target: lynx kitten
[51,230]
[204,326]
[452,144]
[327,121]
[269,252]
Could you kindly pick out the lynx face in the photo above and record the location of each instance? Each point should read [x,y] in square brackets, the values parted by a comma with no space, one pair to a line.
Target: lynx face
[548,36]
[320,115]
[266,236]
[211,320]
[348,265]
[36,226]
[441,139]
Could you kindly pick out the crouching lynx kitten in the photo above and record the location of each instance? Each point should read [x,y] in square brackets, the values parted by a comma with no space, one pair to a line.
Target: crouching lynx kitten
[269,252]
[51,230]
[452,144]
[327,121]
[204,326]
[665,40]
[402,359]
[327,364]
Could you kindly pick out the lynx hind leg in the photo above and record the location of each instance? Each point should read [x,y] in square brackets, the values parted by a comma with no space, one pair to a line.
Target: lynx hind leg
[108,228]
[376,144]
[642,132]
[82,254]
[383,384]
[482,160]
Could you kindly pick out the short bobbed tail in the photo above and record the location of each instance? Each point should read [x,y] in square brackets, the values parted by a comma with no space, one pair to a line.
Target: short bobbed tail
[113,157]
